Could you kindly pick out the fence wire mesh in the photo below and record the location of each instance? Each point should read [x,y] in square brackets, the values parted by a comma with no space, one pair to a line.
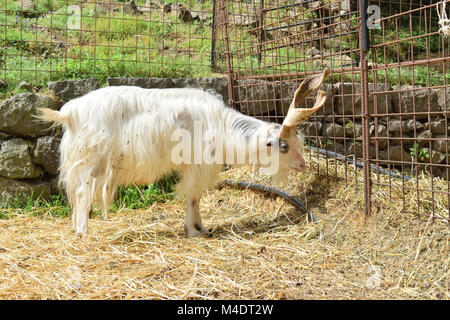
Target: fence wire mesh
[400,86]
[51,40]
[387,107]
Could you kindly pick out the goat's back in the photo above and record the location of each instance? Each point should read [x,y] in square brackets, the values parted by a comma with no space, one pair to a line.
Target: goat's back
[117,106]
[130,129]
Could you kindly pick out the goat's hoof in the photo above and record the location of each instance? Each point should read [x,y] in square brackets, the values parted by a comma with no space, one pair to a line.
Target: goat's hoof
[193,233]
[198,231]
[204,231]
[80,235]
[208,233]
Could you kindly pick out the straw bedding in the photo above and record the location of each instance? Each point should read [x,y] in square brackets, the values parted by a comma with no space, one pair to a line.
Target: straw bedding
[261,248]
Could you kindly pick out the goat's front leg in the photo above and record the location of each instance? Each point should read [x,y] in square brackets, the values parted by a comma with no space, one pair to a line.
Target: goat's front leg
[193,225]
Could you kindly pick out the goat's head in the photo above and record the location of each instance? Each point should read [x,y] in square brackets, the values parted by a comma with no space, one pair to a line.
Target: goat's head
[288,141]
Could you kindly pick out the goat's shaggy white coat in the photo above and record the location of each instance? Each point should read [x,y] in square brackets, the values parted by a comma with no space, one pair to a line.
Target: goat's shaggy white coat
[122,135]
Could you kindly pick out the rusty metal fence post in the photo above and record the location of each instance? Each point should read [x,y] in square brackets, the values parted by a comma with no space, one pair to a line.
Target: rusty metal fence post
[226,37]
[261,30]
[363,49]
[213,38]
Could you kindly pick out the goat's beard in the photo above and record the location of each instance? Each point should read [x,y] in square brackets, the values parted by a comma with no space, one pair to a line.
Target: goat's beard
[281,177]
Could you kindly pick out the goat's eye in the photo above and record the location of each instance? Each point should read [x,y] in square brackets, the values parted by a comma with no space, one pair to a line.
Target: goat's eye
[284,147]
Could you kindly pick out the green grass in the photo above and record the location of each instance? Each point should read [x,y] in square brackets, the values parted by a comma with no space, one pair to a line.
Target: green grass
[56,206]
[110,44]
[154,45]
[137,197]
[412,45]
[420,154]
[132,197]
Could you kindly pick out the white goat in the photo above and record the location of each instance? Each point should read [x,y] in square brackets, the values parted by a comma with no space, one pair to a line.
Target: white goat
[122,135]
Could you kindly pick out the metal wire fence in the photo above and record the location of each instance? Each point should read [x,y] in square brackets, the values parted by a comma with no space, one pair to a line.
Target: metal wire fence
[387,103]
[388,97]
[42,41]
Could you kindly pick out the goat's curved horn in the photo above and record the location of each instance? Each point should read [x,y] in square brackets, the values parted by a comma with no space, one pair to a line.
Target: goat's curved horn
[296,115]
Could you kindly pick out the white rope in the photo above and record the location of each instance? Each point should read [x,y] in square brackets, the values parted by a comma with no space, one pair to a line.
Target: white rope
[444,22]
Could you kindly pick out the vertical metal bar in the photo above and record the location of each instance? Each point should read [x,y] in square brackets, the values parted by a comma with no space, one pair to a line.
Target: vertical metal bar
[231,100]
[261,31]
[213,38]
[365,42]
[363,48]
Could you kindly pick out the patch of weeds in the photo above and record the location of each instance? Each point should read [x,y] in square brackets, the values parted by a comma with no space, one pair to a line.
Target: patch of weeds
[56,205]
[349,125]
[310,142]
[131,197]
[421,154]
[418,154]
[137,197]
[328,144]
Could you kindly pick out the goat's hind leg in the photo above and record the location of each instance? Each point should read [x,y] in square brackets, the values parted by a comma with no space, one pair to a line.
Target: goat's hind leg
[81,210]
[107,193]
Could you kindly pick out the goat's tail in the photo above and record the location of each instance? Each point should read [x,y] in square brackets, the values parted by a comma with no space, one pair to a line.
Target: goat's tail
[49,115]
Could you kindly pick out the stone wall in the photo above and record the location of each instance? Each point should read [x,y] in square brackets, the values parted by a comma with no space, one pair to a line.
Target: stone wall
[29,149]
[335,128]
[396,135]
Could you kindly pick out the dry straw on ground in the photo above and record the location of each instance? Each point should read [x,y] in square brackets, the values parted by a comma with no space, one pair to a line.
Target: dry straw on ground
[261,247]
